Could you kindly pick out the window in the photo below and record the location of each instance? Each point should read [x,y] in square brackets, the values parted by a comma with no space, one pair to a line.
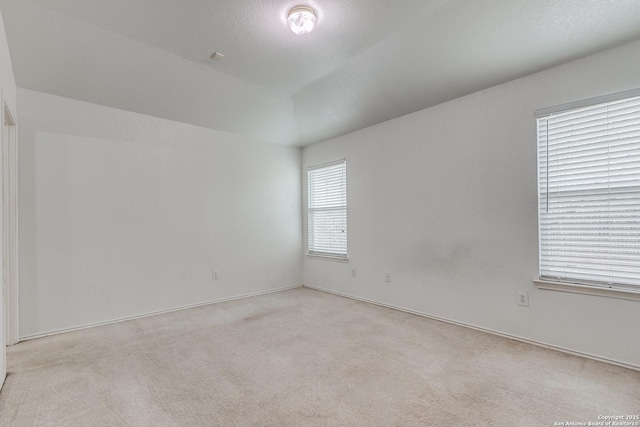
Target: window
[327,191]
[589,192]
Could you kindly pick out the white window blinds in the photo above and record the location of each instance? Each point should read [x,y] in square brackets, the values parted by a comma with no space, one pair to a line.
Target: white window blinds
[589,194]
[327,194]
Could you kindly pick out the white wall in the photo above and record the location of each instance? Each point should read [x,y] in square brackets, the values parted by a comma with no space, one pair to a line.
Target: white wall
[445,200]
[123,214]
[7,81]
[8,90]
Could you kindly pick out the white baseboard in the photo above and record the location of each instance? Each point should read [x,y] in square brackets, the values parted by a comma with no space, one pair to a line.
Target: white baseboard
[406,310]
[153,313]
[479,328]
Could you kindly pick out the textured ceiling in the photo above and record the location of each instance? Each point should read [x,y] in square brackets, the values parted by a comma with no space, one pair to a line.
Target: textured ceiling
[368,60]
[252,34]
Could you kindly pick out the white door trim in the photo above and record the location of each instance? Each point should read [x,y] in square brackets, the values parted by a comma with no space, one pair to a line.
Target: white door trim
[10,210]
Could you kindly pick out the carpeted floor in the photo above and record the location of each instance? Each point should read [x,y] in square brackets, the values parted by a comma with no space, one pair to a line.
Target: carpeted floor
[302,357]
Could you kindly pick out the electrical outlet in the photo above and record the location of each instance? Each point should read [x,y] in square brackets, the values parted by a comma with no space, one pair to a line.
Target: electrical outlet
[215,275]
[387,277]
[353,272]
[523,298]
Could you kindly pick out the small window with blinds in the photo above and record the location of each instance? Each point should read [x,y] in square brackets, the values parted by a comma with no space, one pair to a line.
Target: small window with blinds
[589,192]
[327,195]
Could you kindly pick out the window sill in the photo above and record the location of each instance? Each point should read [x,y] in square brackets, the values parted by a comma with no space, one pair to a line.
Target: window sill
[328,258]
[588,290]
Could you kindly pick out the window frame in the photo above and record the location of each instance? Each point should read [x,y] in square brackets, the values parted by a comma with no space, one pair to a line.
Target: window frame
[623,291]
[338,256]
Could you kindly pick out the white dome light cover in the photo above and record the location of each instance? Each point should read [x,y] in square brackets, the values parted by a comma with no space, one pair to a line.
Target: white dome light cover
[302,20]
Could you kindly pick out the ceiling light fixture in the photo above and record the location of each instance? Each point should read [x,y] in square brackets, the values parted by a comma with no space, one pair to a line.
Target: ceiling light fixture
[302,19]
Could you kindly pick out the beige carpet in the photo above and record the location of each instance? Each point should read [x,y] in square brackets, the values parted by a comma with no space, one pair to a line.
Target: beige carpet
[297,358]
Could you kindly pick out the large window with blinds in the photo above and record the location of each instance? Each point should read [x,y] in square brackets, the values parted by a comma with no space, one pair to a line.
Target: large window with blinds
[589,192]
[327,222]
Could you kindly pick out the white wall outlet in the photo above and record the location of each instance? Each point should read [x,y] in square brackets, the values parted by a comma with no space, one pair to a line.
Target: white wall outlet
[523,298]
[215,275]
[353,272]
[387,277]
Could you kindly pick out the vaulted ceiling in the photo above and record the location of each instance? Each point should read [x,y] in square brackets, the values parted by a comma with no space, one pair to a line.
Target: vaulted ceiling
[367,61]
